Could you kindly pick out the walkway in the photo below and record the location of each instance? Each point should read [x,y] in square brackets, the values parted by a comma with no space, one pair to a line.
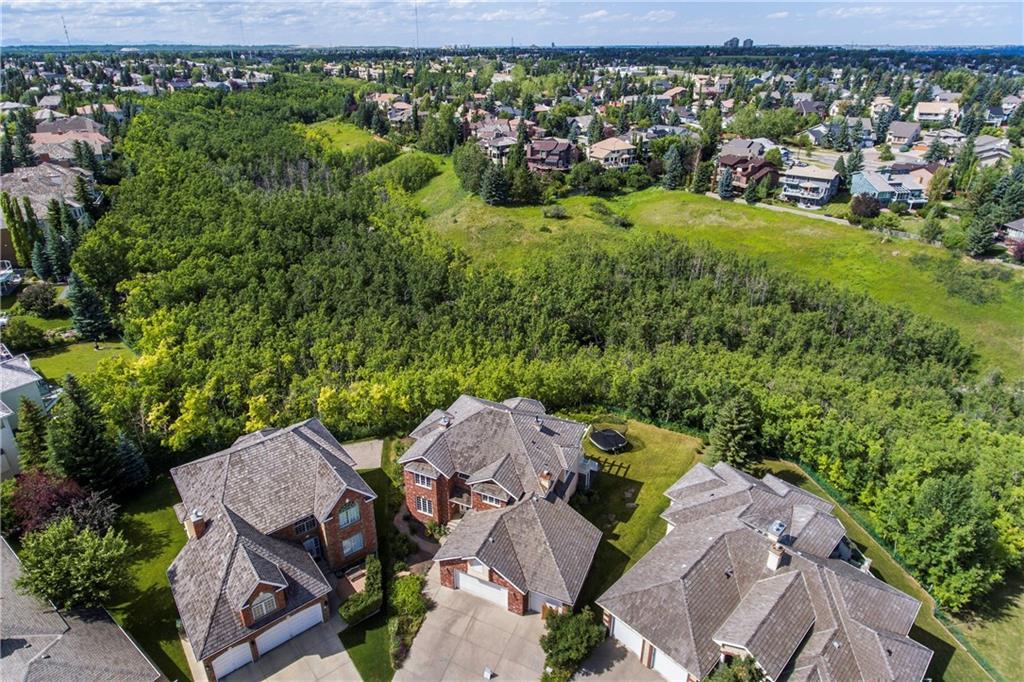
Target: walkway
[366,453]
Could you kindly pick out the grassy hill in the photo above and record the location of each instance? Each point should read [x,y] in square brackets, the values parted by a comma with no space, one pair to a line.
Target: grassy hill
[985,303]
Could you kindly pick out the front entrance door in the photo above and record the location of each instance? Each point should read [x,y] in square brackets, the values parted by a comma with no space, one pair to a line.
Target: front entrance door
[312,546]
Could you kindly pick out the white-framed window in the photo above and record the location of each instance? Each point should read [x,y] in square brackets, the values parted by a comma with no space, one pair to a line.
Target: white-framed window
[348,514]
[424,505]
[491,500]
[265,604]
[421,480]
[305,525]
[464,477]
[353,544]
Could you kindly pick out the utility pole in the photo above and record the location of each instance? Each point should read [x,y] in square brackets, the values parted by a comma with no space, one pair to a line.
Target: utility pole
[66,36]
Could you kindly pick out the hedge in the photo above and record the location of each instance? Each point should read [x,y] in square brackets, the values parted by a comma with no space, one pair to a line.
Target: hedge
[364,604]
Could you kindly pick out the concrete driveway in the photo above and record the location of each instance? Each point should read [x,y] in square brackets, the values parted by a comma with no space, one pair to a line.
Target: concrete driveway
[611,661]
[464,634]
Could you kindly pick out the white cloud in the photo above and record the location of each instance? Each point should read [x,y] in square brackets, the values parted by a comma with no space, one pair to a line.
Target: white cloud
[659,15]
[594,16]
[853,11]
[777,15]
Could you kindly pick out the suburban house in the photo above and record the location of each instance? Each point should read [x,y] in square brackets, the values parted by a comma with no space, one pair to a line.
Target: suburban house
[499,475]
[251,575]
[743,147]
[109,109]
[612,153]
[758,568]
[40,643]
[17,380]
[549,154]
[935,112]
[46,181]
[903,132]
[809,185]
[747,170]
[888,188]
[1013,231]
[990,150]
[70,124]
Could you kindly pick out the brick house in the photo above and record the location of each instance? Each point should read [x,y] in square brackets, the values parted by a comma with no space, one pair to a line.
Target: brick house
[264,519]
[500,474]
[747,170]
[550,154]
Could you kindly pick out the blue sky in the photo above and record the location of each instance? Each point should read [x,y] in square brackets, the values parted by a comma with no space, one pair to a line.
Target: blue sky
[368,22]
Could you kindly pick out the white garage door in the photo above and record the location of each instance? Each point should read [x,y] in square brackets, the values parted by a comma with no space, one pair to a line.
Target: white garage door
[668,668]
[288,628]
[484,589]
[232,659]
[629,637]
[538,600]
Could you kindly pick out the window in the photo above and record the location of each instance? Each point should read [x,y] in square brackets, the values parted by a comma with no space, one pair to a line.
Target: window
[353,544]
[421,480]
[265,604]
[424,505]
[305,525]
[464,477]
[349,514]
[491,500]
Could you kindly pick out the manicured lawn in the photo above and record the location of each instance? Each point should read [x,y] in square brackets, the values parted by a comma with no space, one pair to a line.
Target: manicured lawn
[629,497]
[950,662]
[76,358]
[854,259]
[1000,622]
[146,609]
[338,135]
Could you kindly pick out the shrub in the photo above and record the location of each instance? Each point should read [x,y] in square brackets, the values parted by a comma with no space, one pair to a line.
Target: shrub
[41,495]
[361,606]
[39,298]
[401,545]
[8,519]
[570,637]
[1017,251]
[406,596]
[20,336]
[399,566]
[436,530]
[899,208]
[864,206]
[556,212]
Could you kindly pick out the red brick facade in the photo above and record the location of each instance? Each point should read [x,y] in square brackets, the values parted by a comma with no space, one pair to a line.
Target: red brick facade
[448,569]
[439,493]
[332,534]
[246,613]
[480,505]
[516,599]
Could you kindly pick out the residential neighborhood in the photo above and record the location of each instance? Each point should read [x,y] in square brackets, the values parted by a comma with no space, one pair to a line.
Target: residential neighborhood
[421,342]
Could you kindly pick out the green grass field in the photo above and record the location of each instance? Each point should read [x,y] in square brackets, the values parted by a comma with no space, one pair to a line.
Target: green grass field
[851,258]
[998,624]
[146,608]
[338,135]
[950,661]
[76,358]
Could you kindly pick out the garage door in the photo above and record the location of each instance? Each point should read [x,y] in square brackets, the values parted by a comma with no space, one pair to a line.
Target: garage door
[538,600]
[484,589]
[668,668]
[288,628]
[232,659]
[629,637]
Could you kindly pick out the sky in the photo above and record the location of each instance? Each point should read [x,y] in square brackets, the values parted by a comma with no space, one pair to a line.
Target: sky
[486,22]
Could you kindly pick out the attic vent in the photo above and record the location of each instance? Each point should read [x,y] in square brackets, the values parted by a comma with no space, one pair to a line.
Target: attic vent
[728,574]
[446,422]
[888,652]
[835,644]
[538,424]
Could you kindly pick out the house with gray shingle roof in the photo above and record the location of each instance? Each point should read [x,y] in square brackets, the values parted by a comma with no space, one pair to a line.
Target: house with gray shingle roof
[759,568]
[265,518]
[17,380]
[38,643]
[500,475]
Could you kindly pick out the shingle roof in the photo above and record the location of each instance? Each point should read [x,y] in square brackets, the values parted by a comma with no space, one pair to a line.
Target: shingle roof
[509,443]
[538,545]
[708,580]
[80,645]
[16,372]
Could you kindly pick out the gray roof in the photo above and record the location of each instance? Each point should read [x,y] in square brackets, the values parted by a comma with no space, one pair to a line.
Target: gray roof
[707,582]
[16,372]
[742,147]
[70,124]
[904,129]
[37,643]
[508,443]
[538,545]
[215,574]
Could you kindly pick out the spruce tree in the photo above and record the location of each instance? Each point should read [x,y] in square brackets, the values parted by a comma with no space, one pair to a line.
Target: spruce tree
[32,423]
[40,263]
[56,254]
[725,184]
[750,194]
[88,316]
[76,442]
[979,238]
[734,434]
[31,221]
[494,187]
[83,195]
[23,147]
[6,155]
[854,162]
[132,466]
[840,168]
[91,162]
[673,177]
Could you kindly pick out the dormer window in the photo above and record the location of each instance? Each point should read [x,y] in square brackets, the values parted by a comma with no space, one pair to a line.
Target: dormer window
[305,525]
[264,605]
[491,500]
[421,480]
[349,514]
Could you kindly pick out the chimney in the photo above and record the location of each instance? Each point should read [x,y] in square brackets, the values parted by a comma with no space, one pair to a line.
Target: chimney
[776,530]
[545,480]
[537,423]
[775,554]
[195,524]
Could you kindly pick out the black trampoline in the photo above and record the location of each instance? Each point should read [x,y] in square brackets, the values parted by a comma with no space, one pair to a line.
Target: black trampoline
[608,440]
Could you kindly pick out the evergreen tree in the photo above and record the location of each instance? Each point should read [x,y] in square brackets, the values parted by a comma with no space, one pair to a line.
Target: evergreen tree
[40,263]
[56,254]
[31,222]
[734,435]
[494,186]
[673,177]
[702,178]
[595,132]
[854,162]
[937,151]
[69,228]
[87,313]
[15,223]
[134,471]
[979,237]
[23,147]
[840,167]
[76,442]
[32,424]
[83,195]
[725,184]
[6,155]
[53,215]
[89,157]
[750,194]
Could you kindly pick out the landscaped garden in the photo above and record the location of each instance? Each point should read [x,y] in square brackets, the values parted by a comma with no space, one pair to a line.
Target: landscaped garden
[76,358]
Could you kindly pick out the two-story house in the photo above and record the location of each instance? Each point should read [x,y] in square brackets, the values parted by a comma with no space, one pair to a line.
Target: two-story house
[612,152]
[549,154]
[809,185]
[500,474]
[264,519]
[17,380]
[889,188]
[747,171]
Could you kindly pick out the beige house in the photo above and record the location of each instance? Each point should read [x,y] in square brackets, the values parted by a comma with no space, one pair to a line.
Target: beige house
[612,153]
[934,112]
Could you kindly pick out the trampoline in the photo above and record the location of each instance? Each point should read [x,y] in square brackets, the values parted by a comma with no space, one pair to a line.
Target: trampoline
[608,440]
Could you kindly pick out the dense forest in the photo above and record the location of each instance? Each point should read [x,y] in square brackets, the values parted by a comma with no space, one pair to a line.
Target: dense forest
[262,281]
